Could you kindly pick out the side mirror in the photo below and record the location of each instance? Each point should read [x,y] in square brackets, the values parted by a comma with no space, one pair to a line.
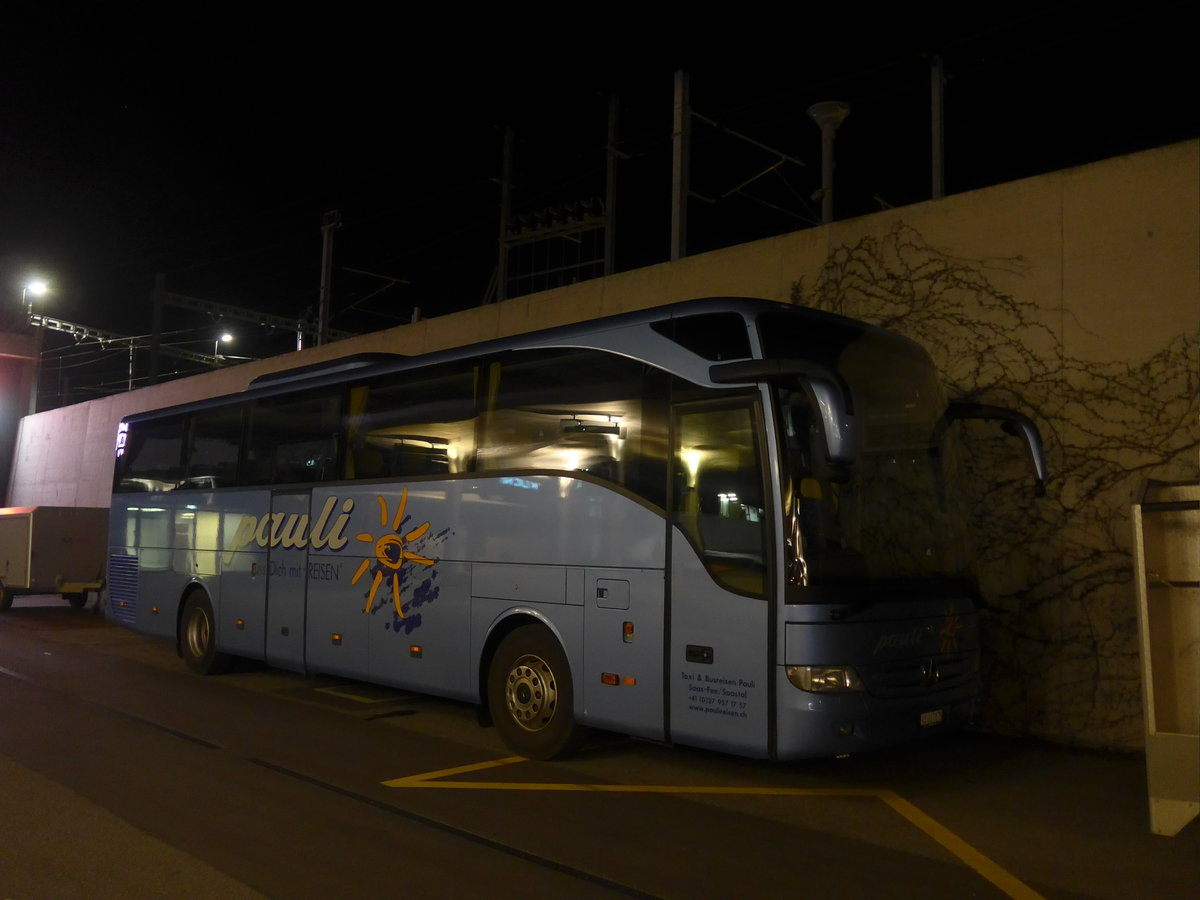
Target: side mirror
[826,391]
[1012,422]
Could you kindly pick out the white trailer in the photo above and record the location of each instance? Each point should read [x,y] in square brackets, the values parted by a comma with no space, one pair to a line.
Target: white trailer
[51,550]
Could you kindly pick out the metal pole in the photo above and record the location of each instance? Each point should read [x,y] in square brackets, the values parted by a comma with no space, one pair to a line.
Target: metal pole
[937,89]
[156,317]
[506,176]
[39,337]
[331,221]
[828,115]
[610,186]
[680,163]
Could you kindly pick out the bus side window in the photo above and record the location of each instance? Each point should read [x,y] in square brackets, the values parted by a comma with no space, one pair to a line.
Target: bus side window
[153,457]
[216,437]
[719,499]
[578,411]
[413,424]
[294,439]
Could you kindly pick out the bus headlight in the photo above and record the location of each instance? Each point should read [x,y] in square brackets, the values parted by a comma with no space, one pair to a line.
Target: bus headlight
[824,679]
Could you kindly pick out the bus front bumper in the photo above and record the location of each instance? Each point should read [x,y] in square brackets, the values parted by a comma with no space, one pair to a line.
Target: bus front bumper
[835,724]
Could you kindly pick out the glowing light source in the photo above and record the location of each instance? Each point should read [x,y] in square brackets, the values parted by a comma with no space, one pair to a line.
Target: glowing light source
[33,288]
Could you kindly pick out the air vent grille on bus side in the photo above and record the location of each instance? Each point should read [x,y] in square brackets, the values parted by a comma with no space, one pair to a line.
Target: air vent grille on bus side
[123,587]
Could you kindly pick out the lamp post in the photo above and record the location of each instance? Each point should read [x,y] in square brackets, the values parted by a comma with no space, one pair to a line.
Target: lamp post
[29,290]
[35,287]
[828,115]
[223,338]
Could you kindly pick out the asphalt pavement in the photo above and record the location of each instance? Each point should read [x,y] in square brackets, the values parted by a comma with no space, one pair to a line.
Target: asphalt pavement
[1060,822]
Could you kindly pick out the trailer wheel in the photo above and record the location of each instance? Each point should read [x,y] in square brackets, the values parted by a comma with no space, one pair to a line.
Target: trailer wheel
[6,598]
[198,637]
[530,695]
[78,601]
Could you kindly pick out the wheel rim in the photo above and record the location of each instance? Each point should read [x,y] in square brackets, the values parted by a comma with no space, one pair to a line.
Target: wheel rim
[199,631]
[531,693]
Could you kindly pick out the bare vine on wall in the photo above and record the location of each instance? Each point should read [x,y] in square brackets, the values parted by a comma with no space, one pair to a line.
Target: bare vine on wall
[1061,652]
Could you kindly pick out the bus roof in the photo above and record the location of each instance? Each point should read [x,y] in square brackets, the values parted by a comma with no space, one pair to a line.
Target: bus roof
[585,334]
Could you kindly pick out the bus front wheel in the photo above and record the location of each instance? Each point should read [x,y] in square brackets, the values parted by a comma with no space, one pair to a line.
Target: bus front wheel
[198,637]
[530,695]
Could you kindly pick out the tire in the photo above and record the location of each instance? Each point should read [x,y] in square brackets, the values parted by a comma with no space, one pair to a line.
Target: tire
[6,598]
[530,695]
[198,637]
[78,601]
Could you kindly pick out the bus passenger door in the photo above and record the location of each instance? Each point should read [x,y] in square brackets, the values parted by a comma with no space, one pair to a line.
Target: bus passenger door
[719,663]
[287,580]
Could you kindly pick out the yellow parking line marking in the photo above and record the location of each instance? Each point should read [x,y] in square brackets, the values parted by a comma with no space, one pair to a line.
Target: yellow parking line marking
[629,788]
[1002,879]
[432,780]
[968,855]
[415,780]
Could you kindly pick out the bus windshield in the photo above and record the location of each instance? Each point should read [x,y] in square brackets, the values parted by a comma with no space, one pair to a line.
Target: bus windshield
[886,509]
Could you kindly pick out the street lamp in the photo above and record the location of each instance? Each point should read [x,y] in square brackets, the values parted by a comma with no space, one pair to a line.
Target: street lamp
[35,287]
[828,114]
[31,289]
[224,338]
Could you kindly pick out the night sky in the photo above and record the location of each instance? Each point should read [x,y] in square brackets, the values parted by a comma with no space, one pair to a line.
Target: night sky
[207,146]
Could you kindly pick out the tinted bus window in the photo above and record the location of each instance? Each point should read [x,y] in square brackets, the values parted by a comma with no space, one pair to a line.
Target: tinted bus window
[413,424]
[153,457]
[720,501]
[578,411]
[214,446]
[294,439]
[714,336]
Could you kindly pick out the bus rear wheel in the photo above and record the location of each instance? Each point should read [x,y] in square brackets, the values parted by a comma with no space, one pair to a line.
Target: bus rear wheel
[198,637]
[530,695]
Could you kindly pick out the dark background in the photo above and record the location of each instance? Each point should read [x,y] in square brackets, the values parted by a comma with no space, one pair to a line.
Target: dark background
[208,145]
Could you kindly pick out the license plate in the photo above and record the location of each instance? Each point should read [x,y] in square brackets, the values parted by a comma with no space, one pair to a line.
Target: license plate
[933,717]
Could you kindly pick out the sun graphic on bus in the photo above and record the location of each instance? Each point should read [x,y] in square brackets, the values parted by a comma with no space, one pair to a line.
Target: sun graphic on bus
[391,552]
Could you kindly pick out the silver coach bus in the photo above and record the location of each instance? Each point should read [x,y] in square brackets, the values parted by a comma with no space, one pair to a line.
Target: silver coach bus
[725,523]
